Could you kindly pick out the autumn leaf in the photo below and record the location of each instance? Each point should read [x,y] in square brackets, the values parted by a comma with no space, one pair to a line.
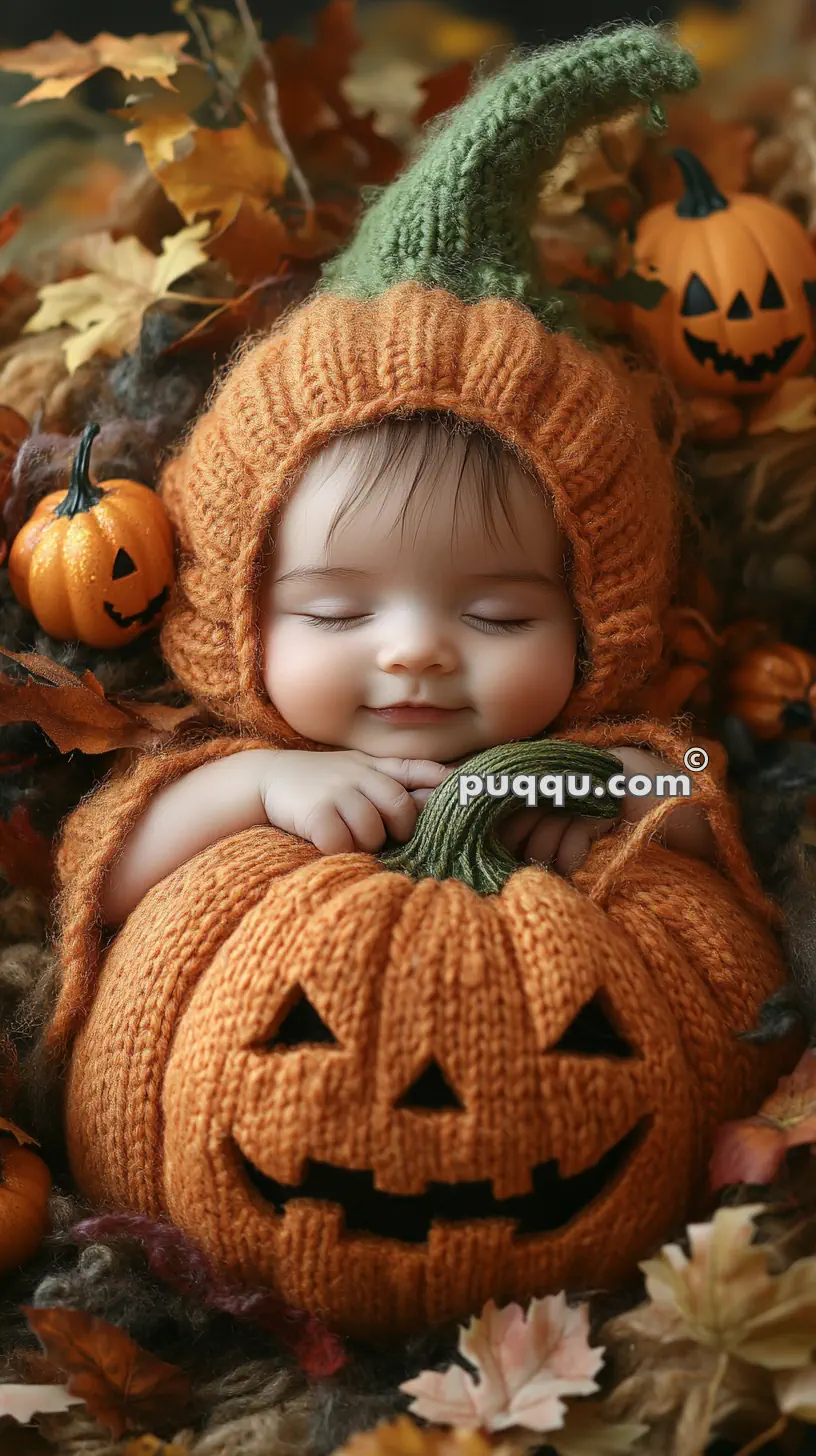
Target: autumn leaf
[75,713]
[123,1386]
[403,1437]
[791,407]
[443,90]
[586,1432]
[60,64]
[752,1149]
[25,857]
[17,1132]
[23,1402]
[10,223]
[217,170]
[107,304]
[152,1446]
[525,1363]
[723,147]
[724,1296]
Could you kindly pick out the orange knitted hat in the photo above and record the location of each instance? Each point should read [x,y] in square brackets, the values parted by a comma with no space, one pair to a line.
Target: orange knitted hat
[435,305]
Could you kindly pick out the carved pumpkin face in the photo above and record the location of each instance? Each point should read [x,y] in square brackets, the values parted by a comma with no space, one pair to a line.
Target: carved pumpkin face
[390,1100]
[740,275]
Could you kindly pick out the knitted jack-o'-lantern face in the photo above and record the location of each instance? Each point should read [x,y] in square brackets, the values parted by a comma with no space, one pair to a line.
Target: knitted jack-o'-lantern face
[391,1096]
[740,275]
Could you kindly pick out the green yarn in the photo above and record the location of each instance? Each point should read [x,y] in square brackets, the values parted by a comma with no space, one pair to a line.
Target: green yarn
[452,841]
[459,218]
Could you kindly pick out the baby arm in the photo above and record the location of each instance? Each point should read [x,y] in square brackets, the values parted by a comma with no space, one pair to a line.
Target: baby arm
[340,801]
[211,802]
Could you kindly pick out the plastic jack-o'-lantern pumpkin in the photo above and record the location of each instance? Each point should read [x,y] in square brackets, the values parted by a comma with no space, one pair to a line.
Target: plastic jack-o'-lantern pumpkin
[95,564]
[740,279]
[391,1088]
[773,689]
[25,1184]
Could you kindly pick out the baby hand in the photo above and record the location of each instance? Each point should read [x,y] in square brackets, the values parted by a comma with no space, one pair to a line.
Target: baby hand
[348,800]
[563,840]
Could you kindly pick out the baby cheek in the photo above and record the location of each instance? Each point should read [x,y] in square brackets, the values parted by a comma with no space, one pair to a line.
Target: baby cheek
[303,670]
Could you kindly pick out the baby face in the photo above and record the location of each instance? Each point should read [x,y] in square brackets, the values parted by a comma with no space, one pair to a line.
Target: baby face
[445,616]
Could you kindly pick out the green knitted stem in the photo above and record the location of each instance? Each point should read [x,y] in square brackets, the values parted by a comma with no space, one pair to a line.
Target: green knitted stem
[457,842]
[459,218]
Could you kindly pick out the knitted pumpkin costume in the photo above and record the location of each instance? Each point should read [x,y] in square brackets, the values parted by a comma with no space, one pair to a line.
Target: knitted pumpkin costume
[393,1096]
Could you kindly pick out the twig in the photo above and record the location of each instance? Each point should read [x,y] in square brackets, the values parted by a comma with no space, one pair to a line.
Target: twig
[272,115]
[711,1401]
[228,101]
[764,1437]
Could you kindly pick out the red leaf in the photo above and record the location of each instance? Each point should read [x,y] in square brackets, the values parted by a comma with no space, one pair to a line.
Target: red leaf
[753,1149]
[444,90]
[123,1386]
[25,857]
[10,223]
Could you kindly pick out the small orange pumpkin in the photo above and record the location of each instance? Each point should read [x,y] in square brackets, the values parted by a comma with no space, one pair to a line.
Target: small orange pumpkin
[25,1184]
[773,689]
[740,279]
[94,564]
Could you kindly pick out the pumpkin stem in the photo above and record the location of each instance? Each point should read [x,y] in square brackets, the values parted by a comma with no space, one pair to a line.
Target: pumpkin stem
[454,841]
[81,494]
[702,196]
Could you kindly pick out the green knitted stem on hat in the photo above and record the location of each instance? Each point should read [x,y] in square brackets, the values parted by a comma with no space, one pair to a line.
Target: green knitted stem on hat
[454,841]
[459,218]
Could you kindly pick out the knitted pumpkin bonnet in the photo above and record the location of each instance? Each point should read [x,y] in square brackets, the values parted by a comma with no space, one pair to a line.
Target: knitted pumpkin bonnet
[435,305]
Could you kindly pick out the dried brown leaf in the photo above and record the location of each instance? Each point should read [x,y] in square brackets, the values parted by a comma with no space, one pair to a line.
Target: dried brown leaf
[75,713]
[22,1137]
[60,63]
[123,1386]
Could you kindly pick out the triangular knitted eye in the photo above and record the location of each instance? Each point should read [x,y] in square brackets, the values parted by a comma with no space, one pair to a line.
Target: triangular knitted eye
[431,1091]
[771,294]
[591,1034]
[697,298]
[124,565]
[302,1025]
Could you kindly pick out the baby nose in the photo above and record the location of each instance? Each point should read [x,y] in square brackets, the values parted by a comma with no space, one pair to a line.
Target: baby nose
[417,651]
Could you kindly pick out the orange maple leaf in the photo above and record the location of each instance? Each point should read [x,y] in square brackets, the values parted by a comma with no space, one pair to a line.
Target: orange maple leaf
[753,1149]
[60,63]
[219,170]
[123,1386]
[75,713]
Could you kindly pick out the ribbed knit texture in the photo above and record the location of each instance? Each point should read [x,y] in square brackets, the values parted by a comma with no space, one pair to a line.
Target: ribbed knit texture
[168,1066]
[460,217]
[168,1027]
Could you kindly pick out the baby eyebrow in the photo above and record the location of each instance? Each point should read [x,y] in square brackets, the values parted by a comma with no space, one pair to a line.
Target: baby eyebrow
[312,573]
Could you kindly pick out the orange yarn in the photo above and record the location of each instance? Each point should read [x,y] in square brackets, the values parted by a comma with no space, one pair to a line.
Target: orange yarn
[339,363]
[173,1070]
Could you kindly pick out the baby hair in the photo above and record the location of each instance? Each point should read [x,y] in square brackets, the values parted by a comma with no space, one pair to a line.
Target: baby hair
[433,439]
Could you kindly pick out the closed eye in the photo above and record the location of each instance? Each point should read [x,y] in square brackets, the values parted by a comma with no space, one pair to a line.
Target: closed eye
[339,624]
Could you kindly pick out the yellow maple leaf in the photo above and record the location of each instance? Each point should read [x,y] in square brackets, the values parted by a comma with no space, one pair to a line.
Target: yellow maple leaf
[61,63]
[106,305]
[791,407]
[218,169]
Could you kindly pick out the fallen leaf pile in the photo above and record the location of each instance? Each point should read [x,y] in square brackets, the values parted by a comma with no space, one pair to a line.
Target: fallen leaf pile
[242,166]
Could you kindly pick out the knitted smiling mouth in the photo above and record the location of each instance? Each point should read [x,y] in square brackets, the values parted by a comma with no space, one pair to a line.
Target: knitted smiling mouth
[409,1218]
